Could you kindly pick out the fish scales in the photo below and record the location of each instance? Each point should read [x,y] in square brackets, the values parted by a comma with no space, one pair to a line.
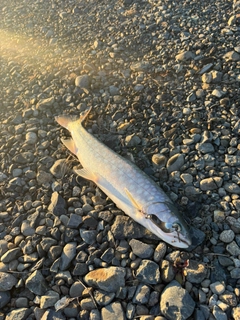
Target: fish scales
[130,188]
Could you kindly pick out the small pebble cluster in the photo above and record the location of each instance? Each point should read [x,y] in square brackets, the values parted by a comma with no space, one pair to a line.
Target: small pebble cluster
[163,79]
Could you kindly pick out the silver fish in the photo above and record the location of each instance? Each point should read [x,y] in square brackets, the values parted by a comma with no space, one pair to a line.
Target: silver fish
[130,188]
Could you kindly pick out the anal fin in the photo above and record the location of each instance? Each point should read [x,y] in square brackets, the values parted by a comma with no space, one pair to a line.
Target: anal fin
[69,143]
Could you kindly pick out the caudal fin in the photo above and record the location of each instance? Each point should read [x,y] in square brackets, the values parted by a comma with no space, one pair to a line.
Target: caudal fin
[65,120]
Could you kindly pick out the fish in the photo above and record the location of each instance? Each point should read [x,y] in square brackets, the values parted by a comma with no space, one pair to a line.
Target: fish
[133,191]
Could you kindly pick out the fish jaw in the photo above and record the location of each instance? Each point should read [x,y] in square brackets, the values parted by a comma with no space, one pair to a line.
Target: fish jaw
[179,239]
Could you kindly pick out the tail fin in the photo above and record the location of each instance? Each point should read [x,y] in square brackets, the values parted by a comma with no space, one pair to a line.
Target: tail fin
[65,120]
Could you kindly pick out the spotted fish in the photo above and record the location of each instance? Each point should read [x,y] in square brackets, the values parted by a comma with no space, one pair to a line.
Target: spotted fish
[130,188]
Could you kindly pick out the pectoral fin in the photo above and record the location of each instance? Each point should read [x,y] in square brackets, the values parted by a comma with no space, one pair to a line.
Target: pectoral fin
[87,174]
[134,203]
[69,143]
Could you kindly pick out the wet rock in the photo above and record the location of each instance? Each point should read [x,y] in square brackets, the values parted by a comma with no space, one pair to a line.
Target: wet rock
[107,279]
[176,302]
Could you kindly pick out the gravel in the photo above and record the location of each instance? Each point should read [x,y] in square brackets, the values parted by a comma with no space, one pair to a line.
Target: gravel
[163,81]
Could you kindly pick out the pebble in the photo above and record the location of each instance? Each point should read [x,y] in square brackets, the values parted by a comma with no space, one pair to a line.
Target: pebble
[7,282]
[148,272]
[141,249]
[112,311]
[107,279]
[176,302]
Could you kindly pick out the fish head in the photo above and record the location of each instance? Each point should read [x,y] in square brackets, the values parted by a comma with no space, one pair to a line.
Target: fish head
[164,220]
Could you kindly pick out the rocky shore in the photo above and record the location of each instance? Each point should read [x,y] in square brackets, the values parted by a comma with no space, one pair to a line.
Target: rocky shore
[163,79]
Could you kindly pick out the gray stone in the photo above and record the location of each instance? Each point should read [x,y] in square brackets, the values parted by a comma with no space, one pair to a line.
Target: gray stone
[51,314]
[184,56]
[160,252]
[76,289]
[113,311]
[36,283]
[24,157]
[74,221]
[47,243]
[211,183]
[205,147]
[11,255]
[7,281]
[26,229]
[232,187]
[5,297]
[57,205]
[132,140]
[44,103]
[235,273]
[159,159]
[49,299]
[103,298]
[196,271]
[232,56]
[82,81]
[107,279]
[43,177]
[176,302]
[141,249]
[233,248]
[88,236]
[142,294]
[68,254]
[175,162]
[18,314]
[219,314]
[217,287]
[31,137]
[167,272]
[59,168]
[148,272]
[227,236]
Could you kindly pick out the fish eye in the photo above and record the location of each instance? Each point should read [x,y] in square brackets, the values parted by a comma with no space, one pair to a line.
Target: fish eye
[177,227]
[164,226]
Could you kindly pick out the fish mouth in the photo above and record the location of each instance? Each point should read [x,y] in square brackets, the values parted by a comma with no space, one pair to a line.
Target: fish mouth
[181,241]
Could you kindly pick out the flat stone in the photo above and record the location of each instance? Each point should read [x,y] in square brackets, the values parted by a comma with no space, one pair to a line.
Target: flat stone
[175,162]
[5,297]
[176,302]
[10,255]
[68,254]
[7,281]
[103,298]
[82,81]
[227,236]
[57,205]
[142,294]
[107,279]
[219,314]
[44,103]
[217,287]
[59,168]
[196,272]
[49,299]
[36,283]
[231,187]
[148,272]
[113,311]
[24,157]
[184,56]
[20,313]
[141,249]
